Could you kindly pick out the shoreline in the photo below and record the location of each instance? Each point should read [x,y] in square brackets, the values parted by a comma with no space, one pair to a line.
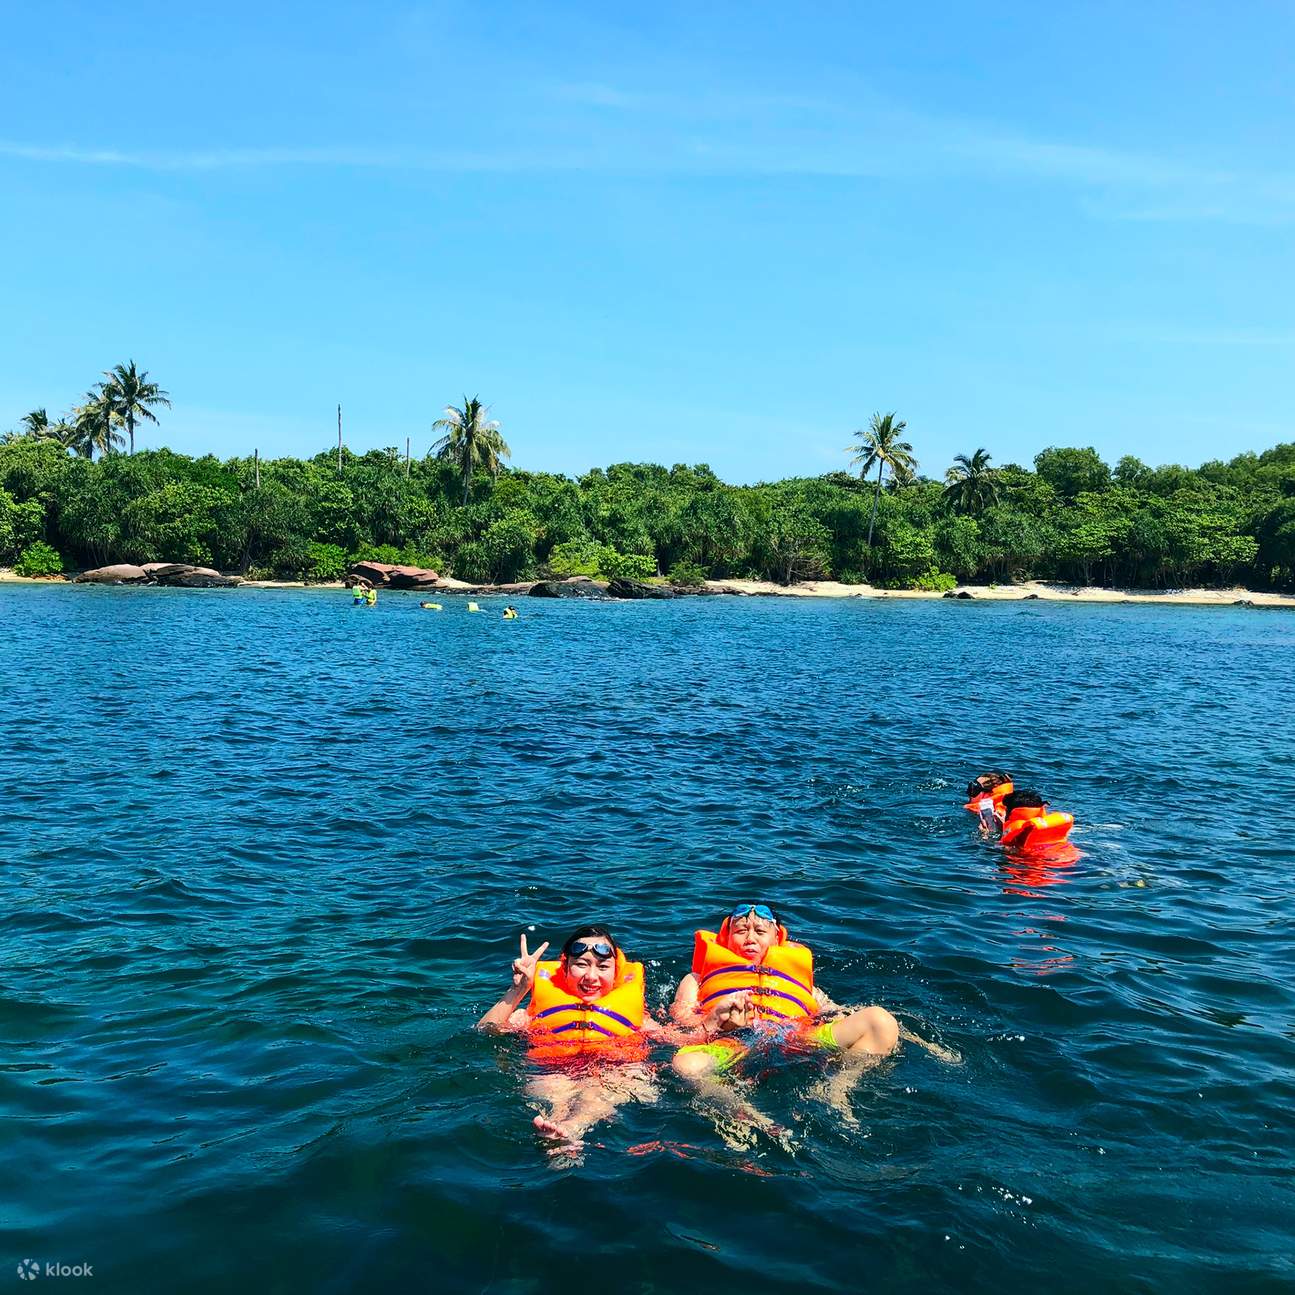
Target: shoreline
[1030,590]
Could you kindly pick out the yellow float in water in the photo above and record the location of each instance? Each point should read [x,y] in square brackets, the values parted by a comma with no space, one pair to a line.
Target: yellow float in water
[431,607]
[509,614]
[472,607]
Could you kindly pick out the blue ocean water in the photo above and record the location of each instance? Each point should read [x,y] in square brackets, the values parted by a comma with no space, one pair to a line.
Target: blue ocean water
[267,857]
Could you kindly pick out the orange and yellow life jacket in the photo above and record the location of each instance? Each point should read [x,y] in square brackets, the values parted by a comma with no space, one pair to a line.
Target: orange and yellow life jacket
[781,984]
[561,1024]
[994,795]
[1030,828]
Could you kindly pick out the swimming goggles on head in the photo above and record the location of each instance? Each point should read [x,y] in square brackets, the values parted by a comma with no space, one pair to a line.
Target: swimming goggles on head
[600,950]
[762,911]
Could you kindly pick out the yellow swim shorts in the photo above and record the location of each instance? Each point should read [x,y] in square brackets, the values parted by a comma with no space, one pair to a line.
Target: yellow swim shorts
[726,1052]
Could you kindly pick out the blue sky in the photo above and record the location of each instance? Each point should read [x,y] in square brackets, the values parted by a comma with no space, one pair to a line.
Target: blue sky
[720,233]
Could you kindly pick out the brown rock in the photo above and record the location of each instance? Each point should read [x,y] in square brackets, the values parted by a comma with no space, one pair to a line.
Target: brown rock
[119,573]
[411,577]
[375,573]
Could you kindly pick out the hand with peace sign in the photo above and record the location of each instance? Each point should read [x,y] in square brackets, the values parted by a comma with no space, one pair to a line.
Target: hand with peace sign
[525,963]
[506,1014]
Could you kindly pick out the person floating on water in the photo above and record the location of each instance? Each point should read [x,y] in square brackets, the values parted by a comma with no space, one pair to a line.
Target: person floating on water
[510,613]
[751,988]
[985,794]
[1020,819]
[588,1030]
[430,607]
[1028,826]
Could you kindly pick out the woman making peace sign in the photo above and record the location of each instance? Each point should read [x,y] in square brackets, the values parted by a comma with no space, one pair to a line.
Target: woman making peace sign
[587,1022]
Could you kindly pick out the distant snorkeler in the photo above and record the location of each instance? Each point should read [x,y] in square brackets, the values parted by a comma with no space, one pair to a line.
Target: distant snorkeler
[750,988]
[510,613]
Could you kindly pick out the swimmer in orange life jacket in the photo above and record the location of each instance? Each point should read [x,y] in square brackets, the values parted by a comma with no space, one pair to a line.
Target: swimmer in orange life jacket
[985,795]
[587,1024]
[749,976]
[1028,826]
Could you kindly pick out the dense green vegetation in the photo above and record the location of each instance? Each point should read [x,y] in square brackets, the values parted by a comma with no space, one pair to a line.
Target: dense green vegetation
[1072,518]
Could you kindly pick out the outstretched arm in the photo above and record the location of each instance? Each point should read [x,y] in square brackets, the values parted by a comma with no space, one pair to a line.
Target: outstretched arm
[505,1014]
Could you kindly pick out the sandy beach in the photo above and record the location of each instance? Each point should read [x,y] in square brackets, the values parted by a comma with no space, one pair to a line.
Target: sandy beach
[834,589]
[1014,593]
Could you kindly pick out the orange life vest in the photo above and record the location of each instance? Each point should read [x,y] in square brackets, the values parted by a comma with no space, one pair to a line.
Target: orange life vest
[561,1024]
[781,984]
[994,795]
[1029,828]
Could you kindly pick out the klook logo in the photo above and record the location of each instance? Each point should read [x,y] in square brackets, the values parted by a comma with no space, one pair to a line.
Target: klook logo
[30,1269]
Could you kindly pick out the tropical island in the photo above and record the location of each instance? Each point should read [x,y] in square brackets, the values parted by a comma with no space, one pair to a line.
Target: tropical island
[75,495]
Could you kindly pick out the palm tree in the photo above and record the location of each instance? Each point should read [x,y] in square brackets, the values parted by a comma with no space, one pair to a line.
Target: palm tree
[131,393]
[972,483]
[471,441]
[94,427]
[36,425]
[879,444]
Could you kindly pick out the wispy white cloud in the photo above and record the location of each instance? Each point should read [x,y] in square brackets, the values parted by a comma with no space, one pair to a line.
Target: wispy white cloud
[716,131]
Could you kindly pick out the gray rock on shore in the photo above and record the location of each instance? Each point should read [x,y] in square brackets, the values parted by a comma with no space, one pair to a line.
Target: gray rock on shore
[638,589]
[568,589]
[118,573]
[177,574]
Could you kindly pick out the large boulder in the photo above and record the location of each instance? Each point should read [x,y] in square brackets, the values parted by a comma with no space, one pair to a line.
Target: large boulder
[637,589]
[119,573]
[578,588]
[960,593]
[375,573]
[198,578]
[411,577]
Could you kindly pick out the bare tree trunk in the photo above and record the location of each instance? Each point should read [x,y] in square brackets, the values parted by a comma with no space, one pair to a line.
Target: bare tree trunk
[876,495]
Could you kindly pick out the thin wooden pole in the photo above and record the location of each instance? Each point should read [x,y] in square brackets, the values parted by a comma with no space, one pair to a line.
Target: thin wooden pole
[256,459]
[339,438]
[406,458]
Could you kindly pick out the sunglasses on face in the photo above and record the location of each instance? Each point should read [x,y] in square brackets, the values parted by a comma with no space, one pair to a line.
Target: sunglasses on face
[600,950]
[762,911]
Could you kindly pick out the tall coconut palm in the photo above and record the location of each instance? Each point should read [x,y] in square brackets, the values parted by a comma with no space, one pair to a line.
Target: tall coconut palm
[972,483]
[471,441]
[131,395]
[880,446]
[94,427]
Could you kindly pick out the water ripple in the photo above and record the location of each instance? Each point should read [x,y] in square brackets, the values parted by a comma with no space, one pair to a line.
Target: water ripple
[268,858]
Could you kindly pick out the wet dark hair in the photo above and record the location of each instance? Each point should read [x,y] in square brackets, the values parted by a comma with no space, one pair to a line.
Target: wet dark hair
[984,782]
[1023,799]
[586,933]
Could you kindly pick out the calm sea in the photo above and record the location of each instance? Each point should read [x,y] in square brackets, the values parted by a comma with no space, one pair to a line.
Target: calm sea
[266,858]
